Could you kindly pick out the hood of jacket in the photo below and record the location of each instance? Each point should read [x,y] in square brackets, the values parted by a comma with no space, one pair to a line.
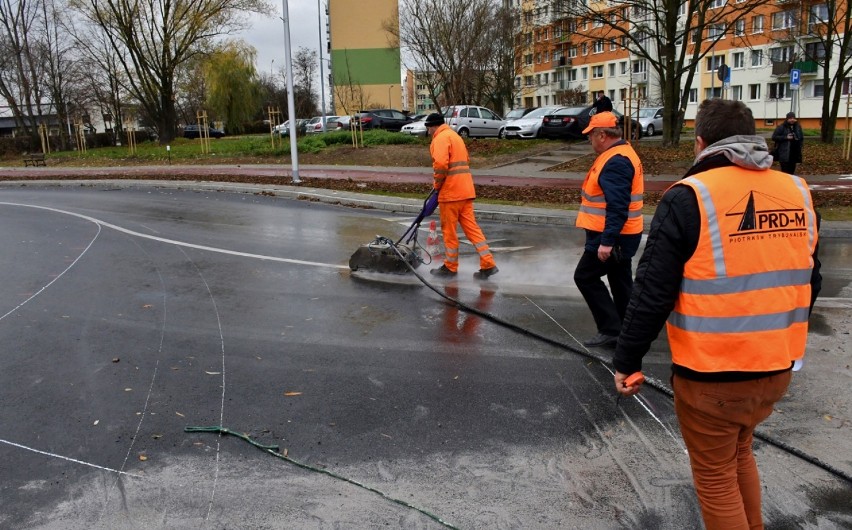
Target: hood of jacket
[746,151]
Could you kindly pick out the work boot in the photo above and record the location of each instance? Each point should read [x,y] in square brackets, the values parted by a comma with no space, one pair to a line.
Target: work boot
[484,274]
[601,339]
[442,272]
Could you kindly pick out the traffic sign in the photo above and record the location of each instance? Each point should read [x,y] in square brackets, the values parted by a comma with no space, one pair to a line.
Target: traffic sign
[723,72]
[795,78]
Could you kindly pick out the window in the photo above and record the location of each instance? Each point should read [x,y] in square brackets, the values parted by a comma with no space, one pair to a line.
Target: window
[739,28]
[681,9]
[714,62]
[546,78]
[715,31]
[624,42]
[739,59]
[847,84]
[639,67]
[693,95]
[818,15]
[818,89]
[784,19]
[584,73]
[782,54]
[622,68]
[611,70]
[528,39]
[696,36]
[713,92]
[571,75]
[597,72]
[715,4]
[757,24]
[737,93]
[528,80]
[538,79]
[613,45]
[753,92]
[599,46]
[777,90]
[572,51]
[487,114]
[597,23]
[584,48]
[756,58]
[815,51]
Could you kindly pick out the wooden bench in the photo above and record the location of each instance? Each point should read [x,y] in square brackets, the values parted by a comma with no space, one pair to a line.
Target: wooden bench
[34,159]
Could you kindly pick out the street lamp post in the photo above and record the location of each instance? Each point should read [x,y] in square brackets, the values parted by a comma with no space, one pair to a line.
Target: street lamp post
[322,74]
[390,103]
[291,103]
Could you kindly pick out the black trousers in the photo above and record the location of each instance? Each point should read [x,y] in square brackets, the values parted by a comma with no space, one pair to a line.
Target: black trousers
[607,310]
[788,167]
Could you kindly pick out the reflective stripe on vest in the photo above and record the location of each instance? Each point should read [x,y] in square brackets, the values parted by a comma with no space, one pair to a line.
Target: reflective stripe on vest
[592,213]
[451,166]
[745,296]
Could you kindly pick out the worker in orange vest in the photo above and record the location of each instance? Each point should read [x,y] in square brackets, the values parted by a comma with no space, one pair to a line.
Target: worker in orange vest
[611,214]
[731,266]
[451,166]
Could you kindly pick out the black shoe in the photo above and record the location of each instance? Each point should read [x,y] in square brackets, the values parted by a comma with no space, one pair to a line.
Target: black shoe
[484,274]
[601,339]
[443,272]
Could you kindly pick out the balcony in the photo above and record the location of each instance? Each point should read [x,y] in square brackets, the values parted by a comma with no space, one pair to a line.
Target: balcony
[562,62]
[807,67]
[639,77]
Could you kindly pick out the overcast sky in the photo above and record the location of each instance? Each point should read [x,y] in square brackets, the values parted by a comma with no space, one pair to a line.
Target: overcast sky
[267,33]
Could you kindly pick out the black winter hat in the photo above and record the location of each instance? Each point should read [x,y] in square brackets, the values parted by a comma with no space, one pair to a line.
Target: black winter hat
[434,119]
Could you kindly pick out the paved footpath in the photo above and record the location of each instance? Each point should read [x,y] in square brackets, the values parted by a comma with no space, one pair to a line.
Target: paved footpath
[515,175]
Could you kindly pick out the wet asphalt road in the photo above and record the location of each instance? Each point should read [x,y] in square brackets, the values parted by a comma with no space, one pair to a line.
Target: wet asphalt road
[127,316]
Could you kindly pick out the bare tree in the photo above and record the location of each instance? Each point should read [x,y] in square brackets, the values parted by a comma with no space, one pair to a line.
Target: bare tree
[22,64]
[452,42]
[305,66]
[154,39]
[671,37]
[827,29]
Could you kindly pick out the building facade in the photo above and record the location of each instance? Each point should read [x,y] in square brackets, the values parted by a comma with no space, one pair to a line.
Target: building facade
[559,59]
[365,67]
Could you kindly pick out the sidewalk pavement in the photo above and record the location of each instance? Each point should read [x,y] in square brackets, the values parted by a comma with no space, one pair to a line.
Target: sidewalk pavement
[520,175]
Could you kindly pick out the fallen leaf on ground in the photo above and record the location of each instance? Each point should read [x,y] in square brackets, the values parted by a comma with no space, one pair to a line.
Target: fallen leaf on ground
[143,457]
[292,393]
[212,373]
[179,414]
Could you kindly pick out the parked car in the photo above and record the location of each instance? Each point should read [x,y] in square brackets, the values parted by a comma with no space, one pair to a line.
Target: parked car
[390,119]
[343,122]
[569,122]
[192,131]
[516,114]
[651,120]
[415,128]
[284,128]
[314,126]
[529,125]
[473,121]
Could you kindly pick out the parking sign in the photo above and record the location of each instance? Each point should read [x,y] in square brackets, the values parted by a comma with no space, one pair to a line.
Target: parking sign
[795,78]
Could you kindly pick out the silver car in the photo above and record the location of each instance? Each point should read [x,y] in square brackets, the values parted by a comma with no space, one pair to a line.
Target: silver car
[651,120]
[472,121]
[415,128]
[528,126]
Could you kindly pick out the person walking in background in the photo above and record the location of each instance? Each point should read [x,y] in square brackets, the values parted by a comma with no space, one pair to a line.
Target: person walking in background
[451,167]
[788,140]
[603,103]
[735,292]
[611,213]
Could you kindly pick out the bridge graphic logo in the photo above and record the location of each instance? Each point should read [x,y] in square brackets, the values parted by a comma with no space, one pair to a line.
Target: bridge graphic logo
[760,213]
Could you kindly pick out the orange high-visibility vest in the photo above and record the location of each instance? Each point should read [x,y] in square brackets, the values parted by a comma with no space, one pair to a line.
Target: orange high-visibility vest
[592,214]
[746,293]
[451,166]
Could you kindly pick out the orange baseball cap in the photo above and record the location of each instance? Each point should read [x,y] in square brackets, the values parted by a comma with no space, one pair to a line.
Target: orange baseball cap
[601,119]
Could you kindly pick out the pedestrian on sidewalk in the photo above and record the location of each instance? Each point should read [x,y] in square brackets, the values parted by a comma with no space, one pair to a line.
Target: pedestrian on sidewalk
[451,167]
[735,294]
[788,138]
[611,214]
[603,103]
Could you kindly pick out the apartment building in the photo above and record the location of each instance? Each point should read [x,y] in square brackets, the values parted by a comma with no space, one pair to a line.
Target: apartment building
[365,69]
[559,57]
